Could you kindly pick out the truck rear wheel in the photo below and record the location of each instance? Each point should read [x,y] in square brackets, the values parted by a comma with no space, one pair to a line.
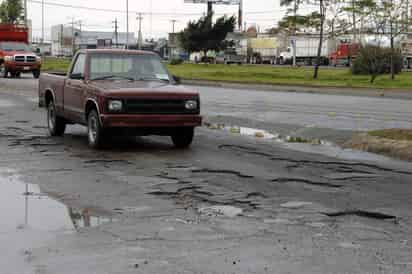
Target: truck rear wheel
[56,124]
[183,137]
[95,133]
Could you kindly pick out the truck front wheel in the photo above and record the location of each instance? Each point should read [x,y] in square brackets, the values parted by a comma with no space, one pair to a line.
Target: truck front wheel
[56,124]
[183,137]
[36,73]
[95,132]
[4,71]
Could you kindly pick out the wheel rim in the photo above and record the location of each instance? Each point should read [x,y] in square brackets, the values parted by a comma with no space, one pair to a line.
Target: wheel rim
[51,117]
[92,129]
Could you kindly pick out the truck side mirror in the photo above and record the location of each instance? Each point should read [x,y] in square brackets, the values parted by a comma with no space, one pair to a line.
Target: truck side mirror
[177,80]
[76,76]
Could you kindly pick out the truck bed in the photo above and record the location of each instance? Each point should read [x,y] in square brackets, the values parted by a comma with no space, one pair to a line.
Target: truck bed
[53,81]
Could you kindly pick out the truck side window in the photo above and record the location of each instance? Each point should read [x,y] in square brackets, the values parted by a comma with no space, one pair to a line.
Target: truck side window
[79,65]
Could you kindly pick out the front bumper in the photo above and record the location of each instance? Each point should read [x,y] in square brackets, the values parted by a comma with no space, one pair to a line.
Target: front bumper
[22,67]
[149,121]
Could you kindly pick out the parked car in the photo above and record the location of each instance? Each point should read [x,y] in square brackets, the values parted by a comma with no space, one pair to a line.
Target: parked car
[16,56]
[119,92]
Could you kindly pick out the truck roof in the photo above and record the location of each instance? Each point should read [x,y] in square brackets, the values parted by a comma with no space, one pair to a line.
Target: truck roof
[122,51]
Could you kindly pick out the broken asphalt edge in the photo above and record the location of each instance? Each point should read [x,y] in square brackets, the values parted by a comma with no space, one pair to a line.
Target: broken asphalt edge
[312,89]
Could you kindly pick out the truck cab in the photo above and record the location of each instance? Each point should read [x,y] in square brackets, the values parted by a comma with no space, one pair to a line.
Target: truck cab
[16,56]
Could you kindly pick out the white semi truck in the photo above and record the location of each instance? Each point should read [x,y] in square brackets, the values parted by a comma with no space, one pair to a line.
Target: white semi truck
[306,50]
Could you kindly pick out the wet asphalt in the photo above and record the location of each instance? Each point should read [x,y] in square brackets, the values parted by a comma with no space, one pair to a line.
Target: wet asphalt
[230,204]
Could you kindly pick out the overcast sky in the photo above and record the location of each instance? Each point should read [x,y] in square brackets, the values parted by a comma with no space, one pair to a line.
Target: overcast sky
[264,13]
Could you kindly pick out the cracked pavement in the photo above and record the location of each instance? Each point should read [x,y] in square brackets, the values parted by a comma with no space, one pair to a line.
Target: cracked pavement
[230,204]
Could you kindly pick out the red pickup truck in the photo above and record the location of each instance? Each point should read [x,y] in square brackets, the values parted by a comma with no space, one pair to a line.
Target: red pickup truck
[117,92]
[16,57]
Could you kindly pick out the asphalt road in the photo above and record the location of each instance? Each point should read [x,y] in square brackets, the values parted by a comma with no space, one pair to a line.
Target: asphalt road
[230,204]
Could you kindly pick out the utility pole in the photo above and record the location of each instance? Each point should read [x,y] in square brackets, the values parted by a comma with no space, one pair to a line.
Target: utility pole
[151,18]
[73,23]
[42,22]
[127,24]
[173,25]
[240,16]
[140,38]
[25,13]
[116,33]
[295,11]
[73,39]
[61,39]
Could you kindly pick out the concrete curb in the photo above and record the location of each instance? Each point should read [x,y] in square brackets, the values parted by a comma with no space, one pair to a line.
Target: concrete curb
[362,92]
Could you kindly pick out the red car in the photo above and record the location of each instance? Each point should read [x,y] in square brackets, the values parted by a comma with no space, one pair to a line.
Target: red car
[116,92]
[16,57]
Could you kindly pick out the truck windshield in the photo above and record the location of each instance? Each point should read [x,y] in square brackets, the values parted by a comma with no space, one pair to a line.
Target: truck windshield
[127,66]
[14,46]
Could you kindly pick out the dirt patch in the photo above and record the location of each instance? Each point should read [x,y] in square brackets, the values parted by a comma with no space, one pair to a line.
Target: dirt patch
[396,148]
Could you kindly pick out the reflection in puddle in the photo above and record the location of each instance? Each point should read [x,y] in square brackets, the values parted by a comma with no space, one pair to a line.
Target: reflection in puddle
[25,206]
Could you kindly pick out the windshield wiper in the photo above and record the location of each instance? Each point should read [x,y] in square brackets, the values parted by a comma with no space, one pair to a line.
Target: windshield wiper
[113,77]
[153,79]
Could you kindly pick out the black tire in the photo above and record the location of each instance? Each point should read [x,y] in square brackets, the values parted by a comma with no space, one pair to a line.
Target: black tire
[12,74]
[36,74]
[55,124]
[183,137]
[95,132]
[4,71]
[18,74]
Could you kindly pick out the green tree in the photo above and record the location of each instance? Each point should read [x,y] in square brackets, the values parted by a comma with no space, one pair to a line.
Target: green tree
[203,35]
[11,11]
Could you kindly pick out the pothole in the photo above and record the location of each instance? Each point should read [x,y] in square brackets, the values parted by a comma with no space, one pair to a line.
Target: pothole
[361,213]
[26,206]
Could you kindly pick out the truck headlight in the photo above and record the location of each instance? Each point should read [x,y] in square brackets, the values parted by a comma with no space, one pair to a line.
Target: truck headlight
[115,105]
[8,58]
[191,104]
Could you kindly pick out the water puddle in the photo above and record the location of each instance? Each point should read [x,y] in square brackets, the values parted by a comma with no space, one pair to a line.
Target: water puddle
[263,134]
[6,103]
[24,206]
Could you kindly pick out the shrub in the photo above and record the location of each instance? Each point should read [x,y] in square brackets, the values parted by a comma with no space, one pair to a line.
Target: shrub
[176,61]
[375,60]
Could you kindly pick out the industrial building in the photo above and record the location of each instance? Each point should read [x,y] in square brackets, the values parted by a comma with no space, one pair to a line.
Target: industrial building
[65,40]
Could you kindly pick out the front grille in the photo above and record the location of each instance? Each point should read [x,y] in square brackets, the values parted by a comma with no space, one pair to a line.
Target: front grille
[31,59]
[157,106]
[25,59]
[20,58]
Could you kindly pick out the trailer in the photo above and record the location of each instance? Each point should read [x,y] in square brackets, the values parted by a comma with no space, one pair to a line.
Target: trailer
[306,50]
[264,50]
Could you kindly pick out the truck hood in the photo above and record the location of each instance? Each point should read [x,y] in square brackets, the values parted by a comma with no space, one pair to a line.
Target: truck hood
[12,53]
[126,88]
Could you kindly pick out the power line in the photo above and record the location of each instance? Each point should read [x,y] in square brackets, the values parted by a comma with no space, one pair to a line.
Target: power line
[146,13]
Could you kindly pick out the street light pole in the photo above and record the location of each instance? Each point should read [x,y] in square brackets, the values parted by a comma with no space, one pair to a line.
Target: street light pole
[127,24]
